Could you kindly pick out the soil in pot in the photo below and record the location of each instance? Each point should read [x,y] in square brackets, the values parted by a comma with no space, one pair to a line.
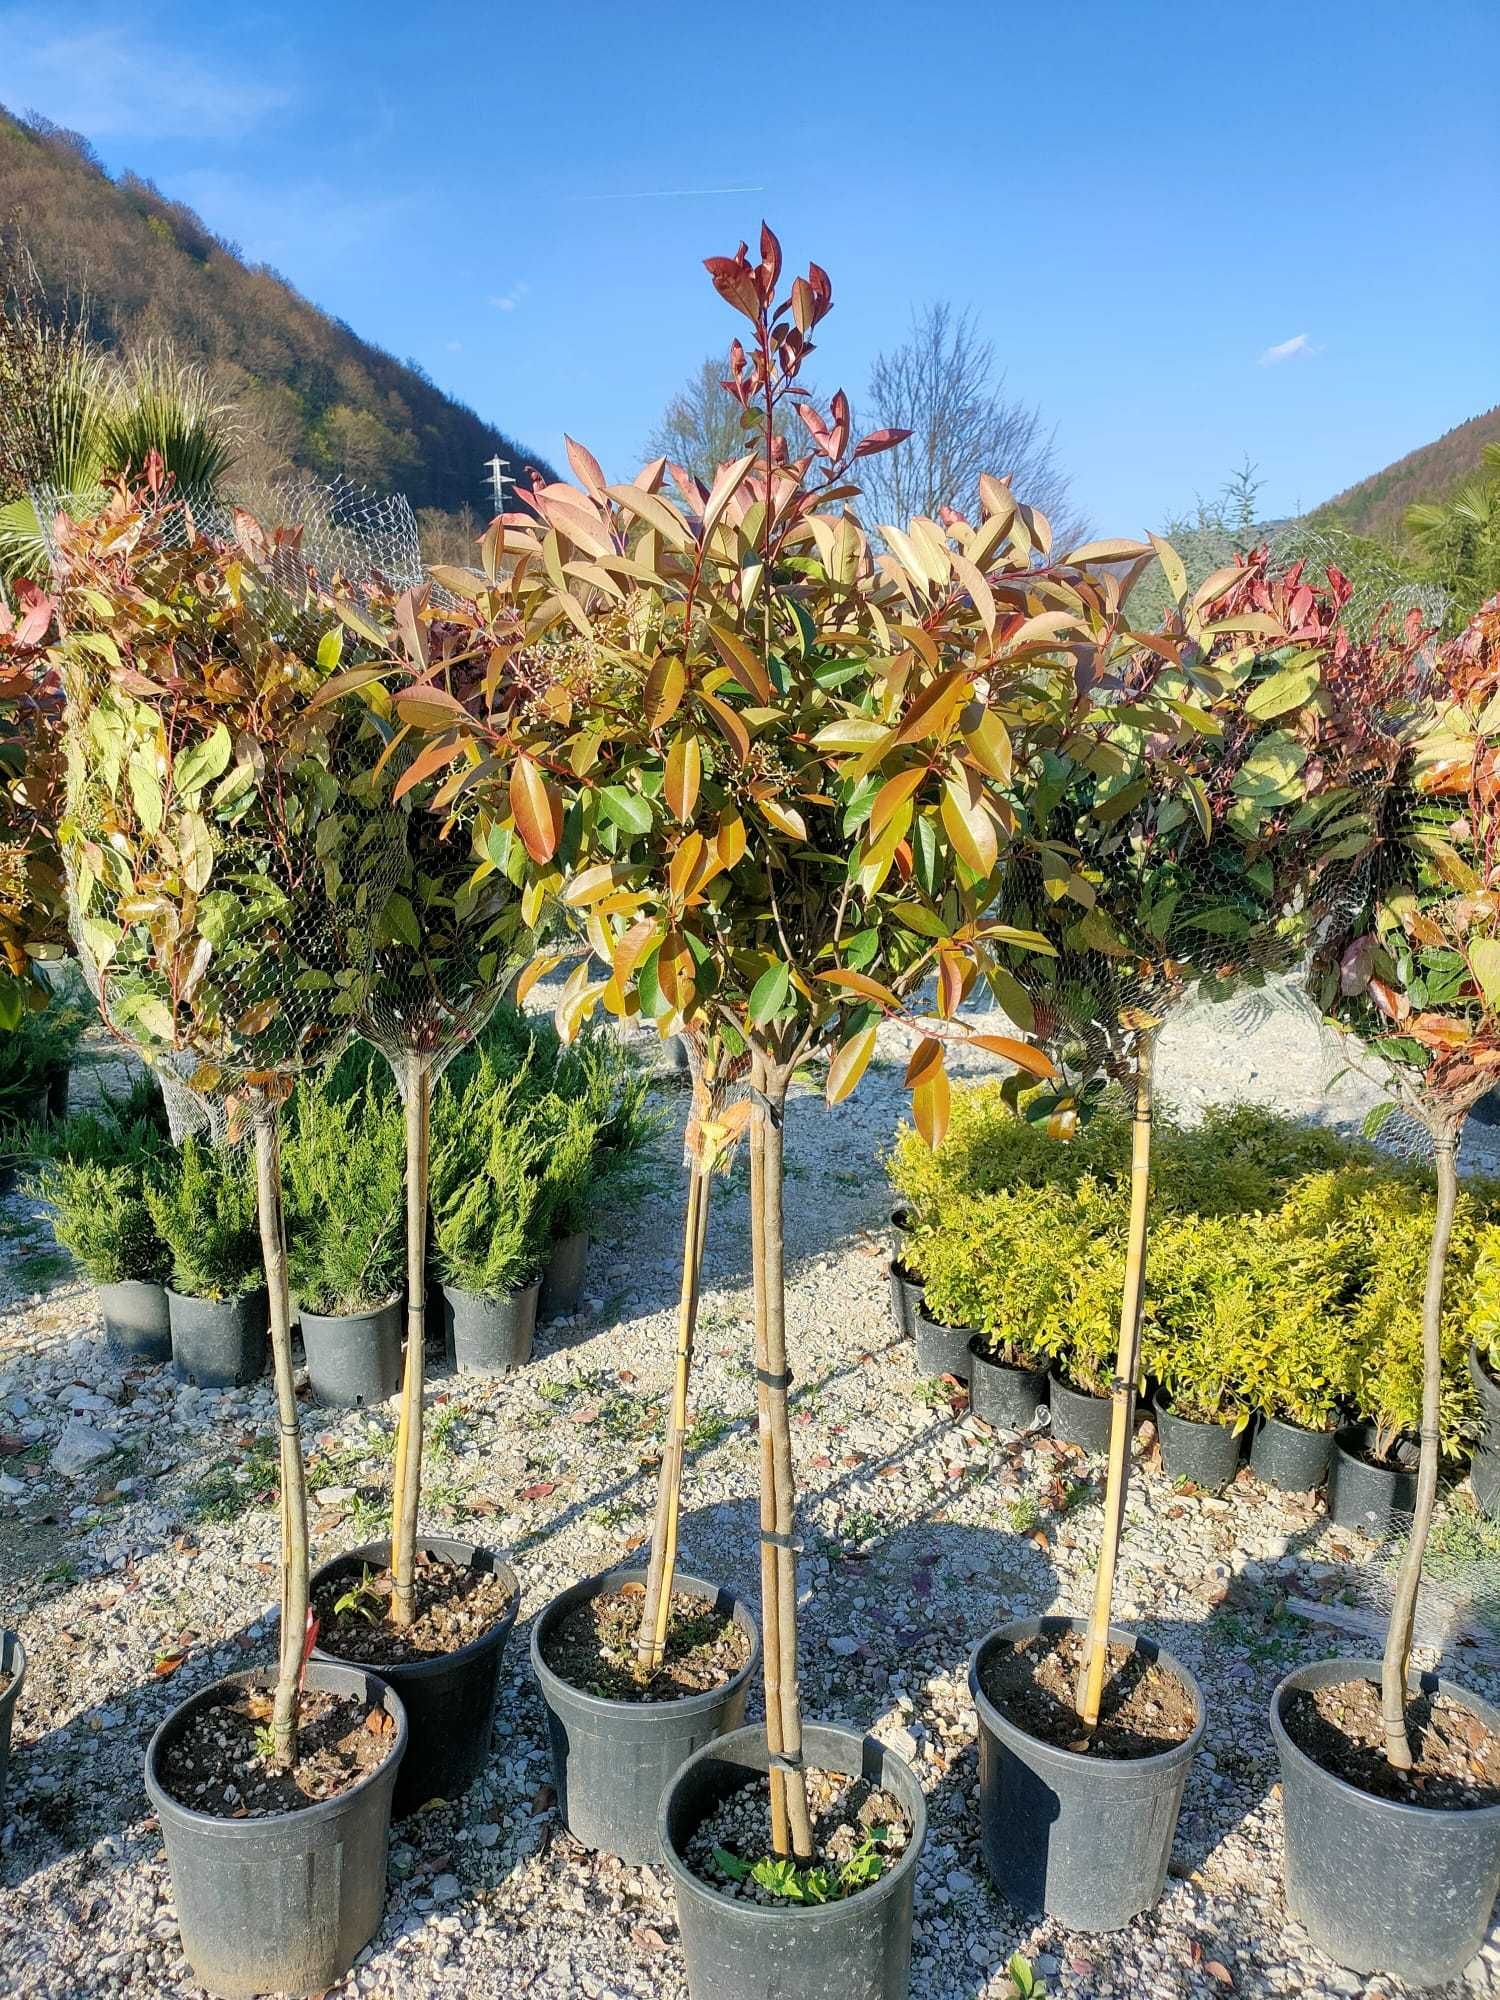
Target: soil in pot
[215,1764]
[593,1647]
[1456,1759]
[1145,1708]
[455,1605]
[858,1832]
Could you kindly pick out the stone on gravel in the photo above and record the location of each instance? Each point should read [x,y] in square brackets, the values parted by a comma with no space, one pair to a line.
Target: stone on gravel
[80,1448]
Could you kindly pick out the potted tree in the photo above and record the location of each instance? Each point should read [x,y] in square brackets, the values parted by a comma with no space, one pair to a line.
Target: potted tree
[225,862]
[1407,967]
[1157,884]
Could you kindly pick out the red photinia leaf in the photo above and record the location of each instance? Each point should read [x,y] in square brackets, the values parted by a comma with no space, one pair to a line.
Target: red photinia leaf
[590,472]
[537,814]
[884,440]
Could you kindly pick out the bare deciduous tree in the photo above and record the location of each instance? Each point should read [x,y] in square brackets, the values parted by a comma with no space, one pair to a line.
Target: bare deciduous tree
[703,426]
[943,383]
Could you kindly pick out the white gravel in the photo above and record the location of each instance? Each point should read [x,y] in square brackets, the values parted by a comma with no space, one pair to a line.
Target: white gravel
[910,1516]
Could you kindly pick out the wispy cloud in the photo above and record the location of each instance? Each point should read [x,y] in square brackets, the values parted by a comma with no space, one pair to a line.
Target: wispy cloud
[507,302]
[665,194]
[1299,346]
[115,82]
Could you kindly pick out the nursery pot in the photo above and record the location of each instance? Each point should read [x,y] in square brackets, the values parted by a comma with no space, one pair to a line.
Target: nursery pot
[1207,1454]
[906,1298]
[1288,1457]
[12,1662]
[1085,1839]
[856,1949]
[57,1094]
[1484,1472]
[137,1320]
[1078,1417]
[1367,1496]
[562,1281]
[282,1904]
[219,1343]
[941,1350]
[1381,1886]
[1004,1395]
[354,1358]
[611,1759]
[449,1701]
[490,1336]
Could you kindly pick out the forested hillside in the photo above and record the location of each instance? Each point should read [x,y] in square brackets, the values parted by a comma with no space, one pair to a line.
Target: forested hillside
[1377,505]
[313,394]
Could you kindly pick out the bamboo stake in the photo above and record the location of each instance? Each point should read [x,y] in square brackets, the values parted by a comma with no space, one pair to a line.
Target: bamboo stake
[407,1496]
[1122,1403]
[768,1113]
[294,1557]
[1396,1663]
[770,1596]
[656,1610]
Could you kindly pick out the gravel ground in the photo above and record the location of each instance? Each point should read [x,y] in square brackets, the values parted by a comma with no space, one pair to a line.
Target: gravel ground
[151,1572]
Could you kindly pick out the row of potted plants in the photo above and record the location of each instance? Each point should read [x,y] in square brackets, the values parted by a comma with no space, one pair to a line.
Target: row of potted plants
[1289,1269]
[533,1141]
[781,782]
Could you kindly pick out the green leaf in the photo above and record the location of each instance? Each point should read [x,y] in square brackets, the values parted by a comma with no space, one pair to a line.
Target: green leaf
[401,921]
[1281,691]
[769,993]
[628,811]
[1484,961]
[731,1864]
[145,787]
[203,761]
[331,648]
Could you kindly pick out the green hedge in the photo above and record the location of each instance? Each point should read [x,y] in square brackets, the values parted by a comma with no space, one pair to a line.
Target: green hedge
[1284,1274]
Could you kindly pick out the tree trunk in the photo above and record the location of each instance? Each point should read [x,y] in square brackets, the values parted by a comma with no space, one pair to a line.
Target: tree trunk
[293,1480]
[791,1830]
[406,1499]
[656,1610]
[1122,1402]
[1397,1660]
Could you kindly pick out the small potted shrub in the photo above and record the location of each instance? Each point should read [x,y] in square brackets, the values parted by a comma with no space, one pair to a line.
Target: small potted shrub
[101,1214]
[342,1159]
[1200,1322]
[1484,1367]
[1083,1337]
[203,1205]
[486,1181]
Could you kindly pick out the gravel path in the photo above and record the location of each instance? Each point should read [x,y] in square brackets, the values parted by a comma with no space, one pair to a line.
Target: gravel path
[152,1572]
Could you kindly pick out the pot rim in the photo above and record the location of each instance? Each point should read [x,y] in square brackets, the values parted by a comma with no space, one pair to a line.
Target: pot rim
[1363,1427]
[1165,1414]
[236,1298]
[896,1269]
[452,1292]
[686,1880]
[167,1806]
[606,1705]
[365,1553]
[1367,1669]
[1068,1388]
[1079,1760]
[1262,1419]
[347,1319]
[938,1326]
[979,1353]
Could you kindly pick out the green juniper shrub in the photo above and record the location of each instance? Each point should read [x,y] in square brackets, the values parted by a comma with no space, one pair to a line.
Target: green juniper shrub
[203,1204]
[485,1179]
[100,1213]
[343,1165]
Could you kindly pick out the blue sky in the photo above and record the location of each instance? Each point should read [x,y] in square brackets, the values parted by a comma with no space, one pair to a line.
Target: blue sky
[1192,230]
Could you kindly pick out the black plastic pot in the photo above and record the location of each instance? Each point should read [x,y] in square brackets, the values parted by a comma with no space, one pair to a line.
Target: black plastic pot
[137,1320]
[1484,1472]
[354,1358]
[611,1759]
[489,1336]
[1365,1496]
[12,1662]
[1288,1457]
[450,1702]
[1207,1454]
[1003,1395]
[901,1218]
[857,1949]
[906,1298]
[562,1281]
[219,1343]
[1085,1839]
[1078,1417]
[282,1904]
[941,1350]
[1380,1886]
[57,1093]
